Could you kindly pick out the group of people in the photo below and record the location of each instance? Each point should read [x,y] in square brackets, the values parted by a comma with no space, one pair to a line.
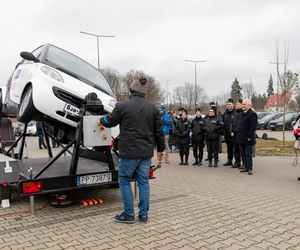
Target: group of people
[142,127]
[237,125]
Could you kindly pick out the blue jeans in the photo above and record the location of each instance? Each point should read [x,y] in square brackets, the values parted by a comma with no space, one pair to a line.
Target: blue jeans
[247,156]
[126,169]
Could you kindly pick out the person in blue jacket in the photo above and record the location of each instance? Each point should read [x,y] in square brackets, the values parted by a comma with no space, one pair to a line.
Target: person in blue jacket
[167,124]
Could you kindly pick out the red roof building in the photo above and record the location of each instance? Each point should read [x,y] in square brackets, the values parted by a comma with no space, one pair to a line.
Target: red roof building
[276,102]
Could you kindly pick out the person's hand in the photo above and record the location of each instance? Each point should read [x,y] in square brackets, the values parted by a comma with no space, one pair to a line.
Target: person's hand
[160,157]
[232,134]
[249,139]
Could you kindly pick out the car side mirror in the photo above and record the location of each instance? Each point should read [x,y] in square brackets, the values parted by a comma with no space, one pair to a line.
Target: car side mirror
[28,56]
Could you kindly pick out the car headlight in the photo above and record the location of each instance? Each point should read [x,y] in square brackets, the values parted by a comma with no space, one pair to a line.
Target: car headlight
[52,73]
[112,103]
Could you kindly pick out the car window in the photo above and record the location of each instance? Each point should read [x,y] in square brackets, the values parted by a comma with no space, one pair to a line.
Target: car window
[75,66]
[37,52]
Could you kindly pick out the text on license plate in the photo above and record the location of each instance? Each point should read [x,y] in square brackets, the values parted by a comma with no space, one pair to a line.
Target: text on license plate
[72,110]
[94,179]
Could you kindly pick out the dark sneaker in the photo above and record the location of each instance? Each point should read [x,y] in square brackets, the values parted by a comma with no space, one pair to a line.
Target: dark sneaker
[250,172]
[143,219]
[236,164]
[216,164]
[228,163]
[195,163]
[209,164]
[124,218]
[200,163]
[244,171]
[181,163]
[186,163]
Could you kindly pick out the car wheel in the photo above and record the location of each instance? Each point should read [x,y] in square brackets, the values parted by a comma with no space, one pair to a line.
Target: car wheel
[26,109]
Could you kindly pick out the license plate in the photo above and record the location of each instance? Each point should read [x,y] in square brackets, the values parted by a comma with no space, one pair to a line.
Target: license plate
[271,126]
[93,179]
[72,110]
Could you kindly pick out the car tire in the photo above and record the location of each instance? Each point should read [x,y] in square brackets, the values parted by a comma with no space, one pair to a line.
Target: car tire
[26,109]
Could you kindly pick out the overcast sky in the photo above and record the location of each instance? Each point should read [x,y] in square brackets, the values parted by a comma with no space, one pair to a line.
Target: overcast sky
[236,37]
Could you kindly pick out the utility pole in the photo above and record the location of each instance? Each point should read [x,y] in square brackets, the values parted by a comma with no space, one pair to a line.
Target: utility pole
[195,62]
[167,90]
[98,49]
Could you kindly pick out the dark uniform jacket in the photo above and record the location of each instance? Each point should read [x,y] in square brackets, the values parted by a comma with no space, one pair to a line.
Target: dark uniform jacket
[197,128]
[173,134]
[140,127]
[183,131]
[213,126]
[246,127]
[229,120]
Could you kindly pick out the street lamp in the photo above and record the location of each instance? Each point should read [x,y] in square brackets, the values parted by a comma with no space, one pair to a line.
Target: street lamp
[195,62]
[91,34]
[167,90]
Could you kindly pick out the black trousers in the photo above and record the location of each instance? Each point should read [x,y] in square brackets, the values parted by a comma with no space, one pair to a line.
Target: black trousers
[213,149]
[183,151]
[198,150]
[230,146]
[237,152]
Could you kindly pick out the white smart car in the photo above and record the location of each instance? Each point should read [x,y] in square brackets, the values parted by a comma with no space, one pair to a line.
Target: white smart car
[50,85]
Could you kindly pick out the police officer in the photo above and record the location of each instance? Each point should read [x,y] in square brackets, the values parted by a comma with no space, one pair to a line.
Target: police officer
[229,118]
[197,128]
[140,130]
[237,147]
[213,126]
[183,131]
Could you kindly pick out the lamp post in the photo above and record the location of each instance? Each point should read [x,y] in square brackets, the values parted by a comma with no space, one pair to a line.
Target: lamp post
[98,50]
[195,62]
[167,90]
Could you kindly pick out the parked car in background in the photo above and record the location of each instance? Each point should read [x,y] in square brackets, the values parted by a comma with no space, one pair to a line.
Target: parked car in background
[277,124]
[50,85]
[264,122]
[261,115]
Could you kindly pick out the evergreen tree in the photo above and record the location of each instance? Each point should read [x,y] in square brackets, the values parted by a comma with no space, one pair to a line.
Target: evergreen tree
[236,90]
[270,90]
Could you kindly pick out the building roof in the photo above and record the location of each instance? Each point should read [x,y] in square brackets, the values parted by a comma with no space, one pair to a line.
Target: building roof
[273,99]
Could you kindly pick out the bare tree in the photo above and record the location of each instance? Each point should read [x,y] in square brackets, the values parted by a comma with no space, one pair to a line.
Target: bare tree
[248,90]
[114,79]
[287,81]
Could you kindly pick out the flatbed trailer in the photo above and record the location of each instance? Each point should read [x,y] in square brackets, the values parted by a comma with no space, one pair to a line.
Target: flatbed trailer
[76,166]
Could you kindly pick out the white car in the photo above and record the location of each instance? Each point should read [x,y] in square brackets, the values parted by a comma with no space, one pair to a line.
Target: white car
[50,85]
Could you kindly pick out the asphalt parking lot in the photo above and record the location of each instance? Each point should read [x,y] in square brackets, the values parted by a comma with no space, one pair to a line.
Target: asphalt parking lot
[192,207]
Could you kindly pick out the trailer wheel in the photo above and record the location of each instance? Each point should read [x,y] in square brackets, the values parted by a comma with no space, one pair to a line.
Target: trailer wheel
[26,109]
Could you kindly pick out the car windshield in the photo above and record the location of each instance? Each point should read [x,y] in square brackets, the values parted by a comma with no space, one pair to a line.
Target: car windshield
[287,116]
[268,117]
[78,68]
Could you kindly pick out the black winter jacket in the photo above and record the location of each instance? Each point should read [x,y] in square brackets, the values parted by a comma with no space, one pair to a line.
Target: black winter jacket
[213,127]
[183,131]
[140,127]
[246,127]
[229,120]
[197,128]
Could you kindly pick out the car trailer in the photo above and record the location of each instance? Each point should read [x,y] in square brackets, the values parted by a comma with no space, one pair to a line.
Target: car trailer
[92,161]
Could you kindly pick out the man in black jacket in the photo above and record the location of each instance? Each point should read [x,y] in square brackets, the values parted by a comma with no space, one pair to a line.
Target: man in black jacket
[229,118]
[237,148]
[197,128]
[245,134]
[140,129]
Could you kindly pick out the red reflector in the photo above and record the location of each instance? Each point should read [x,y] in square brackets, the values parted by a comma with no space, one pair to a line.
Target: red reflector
[32,187]
[4,184]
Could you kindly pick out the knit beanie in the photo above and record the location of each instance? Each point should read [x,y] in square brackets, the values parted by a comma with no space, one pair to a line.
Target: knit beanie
[139,85]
